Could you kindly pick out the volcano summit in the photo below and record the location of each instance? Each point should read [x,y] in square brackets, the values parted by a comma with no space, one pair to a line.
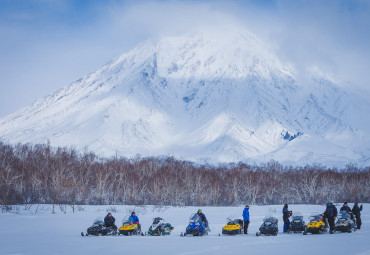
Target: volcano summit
[205,96]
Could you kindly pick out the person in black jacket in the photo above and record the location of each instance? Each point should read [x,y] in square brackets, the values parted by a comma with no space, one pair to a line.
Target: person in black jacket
[109,220]
[203,217]
[346,208]
[330,214]
[357,212]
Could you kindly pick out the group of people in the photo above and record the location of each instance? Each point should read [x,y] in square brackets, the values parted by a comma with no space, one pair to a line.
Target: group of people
[109,220]
[330,215]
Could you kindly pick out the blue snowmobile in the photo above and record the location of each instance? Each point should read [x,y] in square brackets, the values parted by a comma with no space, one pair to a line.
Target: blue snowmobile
[196,227]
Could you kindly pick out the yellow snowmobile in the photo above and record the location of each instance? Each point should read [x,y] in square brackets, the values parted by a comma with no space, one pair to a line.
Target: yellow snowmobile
[233,227]
[316,225]
[129,228]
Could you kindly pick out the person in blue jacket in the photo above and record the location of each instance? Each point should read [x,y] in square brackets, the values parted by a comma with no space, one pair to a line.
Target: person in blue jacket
[133,219]
[246,218]
[286,216]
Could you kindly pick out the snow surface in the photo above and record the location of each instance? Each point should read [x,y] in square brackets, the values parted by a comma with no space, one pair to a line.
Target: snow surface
[46,233]
[215,97]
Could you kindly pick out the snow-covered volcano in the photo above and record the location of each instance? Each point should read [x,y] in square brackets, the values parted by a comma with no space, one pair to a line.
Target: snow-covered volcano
[219,97]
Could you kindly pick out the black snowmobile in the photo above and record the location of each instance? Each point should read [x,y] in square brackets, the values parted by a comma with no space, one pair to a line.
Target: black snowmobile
[297,225]
[269,227]
[99,229]
[345,223]
[159,228]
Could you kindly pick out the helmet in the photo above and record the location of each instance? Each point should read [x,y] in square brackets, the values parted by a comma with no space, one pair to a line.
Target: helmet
[132,213]
[199,210]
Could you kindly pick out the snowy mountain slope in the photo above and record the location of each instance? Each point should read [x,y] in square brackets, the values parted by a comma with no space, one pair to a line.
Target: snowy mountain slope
[215,97]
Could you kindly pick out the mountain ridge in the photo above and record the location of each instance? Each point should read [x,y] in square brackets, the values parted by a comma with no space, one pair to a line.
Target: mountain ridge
[219,98]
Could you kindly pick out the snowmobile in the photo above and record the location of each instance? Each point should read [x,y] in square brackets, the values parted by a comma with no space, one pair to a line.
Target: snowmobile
[316,225]
[99,229]
[345,223]
[297,224]
[196,227]
[159,228]
[269,226]
[129,228]
[233,227]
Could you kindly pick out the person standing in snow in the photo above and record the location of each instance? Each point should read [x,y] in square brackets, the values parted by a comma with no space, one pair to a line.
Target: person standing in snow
[286,216]
[246,218]
[356,210]
[331,213]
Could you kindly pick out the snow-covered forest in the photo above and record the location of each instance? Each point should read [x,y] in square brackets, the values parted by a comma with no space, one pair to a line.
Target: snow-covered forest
[44,174]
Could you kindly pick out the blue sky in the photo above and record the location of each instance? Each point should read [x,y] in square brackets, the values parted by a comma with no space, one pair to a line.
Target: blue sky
[48,44]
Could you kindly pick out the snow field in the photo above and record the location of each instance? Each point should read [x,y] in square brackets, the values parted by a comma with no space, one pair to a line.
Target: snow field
[46,233]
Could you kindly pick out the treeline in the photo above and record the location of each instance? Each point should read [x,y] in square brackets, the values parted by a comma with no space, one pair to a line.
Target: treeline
[31,174]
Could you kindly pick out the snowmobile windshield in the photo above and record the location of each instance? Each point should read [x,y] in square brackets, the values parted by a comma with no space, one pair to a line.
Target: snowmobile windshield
[98,221]
[195,218]
[126,220]
[344,214]
[315,217]
[232,222]
[270,219]
[297,216]
[156,220]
